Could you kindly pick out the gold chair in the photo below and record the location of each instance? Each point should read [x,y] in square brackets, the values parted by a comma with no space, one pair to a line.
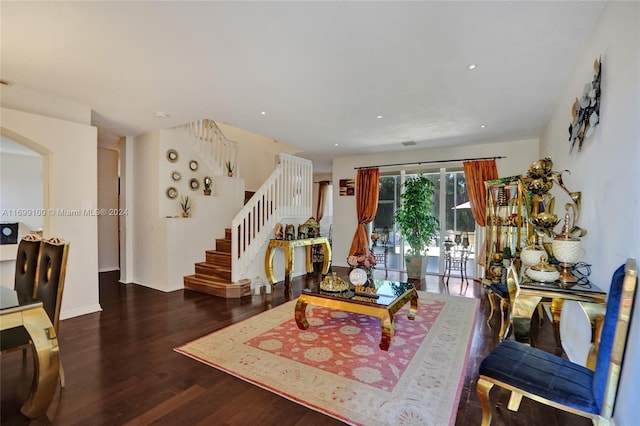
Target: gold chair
[507,293]
[554,381]
[52,269]
[26,264]
[48,288]
[25,277]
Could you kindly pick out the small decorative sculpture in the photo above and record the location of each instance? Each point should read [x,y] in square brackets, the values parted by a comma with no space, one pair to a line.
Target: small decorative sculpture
[289,232]
[279,234]
[313,228]
[302,231]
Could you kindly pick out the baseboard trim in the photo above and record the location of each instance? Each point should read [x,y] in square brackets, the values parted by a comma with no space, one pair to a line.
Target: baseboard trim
[109,269]
[80,311]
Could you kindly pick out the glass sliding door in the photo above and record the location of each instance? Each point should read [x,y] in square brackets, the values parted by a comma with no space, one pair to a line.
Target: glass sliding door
[459,224]
[450,205]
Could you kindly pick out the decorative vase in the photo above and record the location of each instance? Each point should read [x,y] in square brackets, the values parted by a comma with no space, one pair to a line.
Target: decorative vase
[369,272]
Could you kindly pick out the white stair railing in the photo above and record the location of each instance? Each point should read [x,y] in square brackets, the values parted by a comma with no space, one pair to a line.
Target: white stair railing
[212,146]
[287,193]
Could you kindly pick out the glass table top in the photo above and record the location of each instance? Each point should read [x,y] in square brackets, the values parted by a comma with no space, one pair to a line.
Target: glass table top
[577,288]
[10,298]
[386,293]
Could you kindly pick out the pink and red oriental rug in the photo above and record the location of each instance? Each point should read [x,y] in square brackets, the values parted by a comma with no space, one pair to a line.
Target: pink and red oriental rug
[337,368]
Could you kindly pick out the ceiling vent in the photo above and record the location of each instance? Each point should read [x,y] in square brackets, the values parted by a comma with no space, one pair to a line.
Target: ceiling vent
[408,143]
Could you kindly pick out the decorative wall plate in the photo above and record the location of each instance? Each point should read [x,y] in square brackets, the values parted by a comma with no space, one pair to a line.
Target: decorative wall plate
[172,155]
[176,176]
[172,193]
[194,184]
[207,181]
[193,165]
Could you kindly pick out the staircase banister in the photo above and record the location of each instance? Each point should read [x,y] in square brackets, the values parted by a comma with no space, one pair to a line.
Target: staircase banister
[285,193]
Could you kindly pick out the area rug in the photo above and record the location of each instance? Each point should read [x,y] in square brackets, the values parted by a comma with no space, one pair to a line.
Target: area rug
[337,368]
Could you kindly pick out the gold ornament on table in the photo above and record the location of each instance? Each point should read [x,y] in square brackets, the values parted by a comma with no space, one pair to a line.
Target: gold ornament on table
[543,272]
[539,181]
[566,249]
[334,284]
[366,290]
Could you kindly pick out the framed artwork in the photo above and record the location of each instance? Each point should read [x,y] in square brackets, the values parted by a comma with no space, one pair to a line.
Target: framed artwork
[347,187]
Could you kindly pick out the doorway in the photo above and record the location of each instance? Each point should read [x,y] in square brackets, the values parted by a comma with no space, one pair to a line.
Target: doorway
[450,205]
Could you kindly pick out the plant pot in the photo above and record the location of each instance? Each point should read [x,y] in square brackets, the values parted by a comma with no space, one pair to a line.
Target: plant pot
[185,214]
[230,174]
[207,192]
[416,267]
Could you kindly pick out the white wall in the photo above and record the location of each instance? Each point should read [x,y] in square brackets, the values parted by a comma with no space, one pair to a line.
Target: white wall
[606,170]
[148,232]
[69,153]
[21,187]
[256,154]
[166,246]
[520,155]
[108,202]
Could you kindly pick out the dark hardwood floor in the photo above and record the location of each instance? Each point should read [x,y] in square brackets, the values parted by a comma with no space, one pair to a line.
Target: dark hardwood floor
[121,368]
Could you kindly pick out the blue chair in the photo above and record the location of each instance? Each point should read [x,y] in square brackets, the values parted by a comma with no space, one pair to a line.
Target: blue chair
[554,381]
[507,293]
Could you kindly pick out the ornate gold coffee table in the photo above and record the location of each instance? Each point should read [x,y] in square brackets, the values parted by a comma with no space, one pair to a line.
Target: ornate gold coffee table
[392,296]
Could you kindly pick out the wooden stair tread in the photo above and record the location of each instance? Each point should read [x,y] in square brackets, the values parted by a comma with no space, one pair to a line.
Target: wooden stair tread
[214,287]
[213,276]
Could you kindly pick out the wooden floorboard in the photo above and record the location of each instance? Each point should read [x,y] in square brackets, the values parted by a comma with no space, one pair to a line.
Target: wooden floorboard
[121,367]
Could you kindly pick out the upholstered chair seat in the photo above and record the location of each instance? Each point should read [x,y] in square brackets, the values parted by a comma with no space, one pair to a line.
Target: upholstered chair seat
[541,373]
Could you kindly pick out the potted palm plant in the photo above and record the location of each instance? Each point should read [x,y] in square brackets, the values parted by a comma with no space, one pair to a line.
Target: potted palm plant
[229,168]
[185,205]
[416,222]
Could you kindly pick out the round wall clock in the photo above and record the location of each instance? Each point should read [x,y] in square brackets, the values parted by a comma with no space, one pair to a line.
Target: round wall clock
[357,276]
[172,155]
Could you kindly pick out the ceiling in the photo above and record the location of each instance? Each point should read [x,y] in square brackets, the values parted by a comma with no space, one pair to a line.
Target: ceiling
[322,72]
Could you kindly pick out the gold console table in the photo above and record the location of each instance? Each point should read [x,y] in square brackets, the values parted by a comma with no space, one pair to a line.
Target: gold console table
[289,247]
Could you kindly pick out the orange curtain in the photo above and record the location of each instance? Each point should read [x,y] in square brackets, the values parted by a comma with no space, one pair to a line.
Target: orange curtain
[322,199]
[476,173]
[367,191]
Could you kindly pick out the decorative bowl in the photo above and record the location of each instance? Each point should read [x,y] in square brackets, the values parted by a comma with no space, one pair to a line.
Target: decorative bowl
[543,272]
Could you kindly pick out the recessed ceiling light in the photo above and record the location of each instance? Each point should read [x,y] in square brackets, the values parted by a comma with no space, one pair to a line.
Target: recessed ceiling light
[263,113]
[472,66]
[335,144]
[483,126]
[161,114]
[378,116]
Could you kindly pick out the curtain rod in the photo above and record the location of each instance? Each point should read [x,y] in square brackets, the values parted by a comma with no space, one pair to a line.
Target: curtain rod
[418,163]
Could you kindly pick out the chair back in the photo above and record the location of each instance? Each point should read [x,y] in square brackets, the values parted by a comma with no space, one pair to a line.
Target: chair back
[26,264]
[513,284]
[52,267]
[614,336]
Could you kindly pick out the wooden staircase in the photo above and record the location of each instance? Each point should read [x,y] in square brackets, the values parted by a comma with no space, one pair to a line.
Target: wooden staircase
[213,276]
